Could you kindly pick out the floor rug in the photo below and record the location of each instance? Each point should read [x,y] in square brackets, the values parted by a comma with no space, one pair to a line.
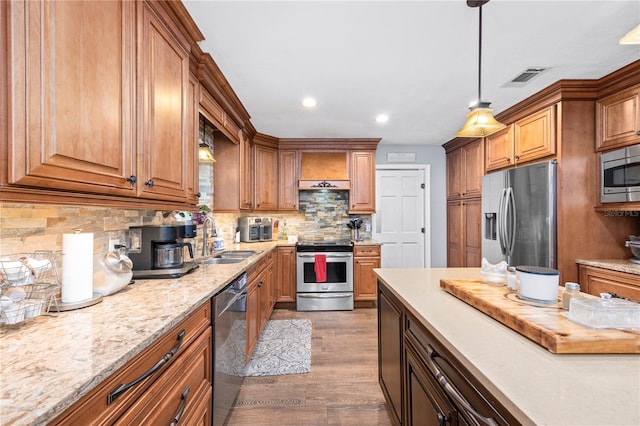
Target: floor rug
[284,347]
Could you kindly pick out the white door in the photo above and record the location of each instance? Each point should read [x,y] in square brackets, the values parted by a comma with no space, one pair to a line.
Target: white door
[401,222]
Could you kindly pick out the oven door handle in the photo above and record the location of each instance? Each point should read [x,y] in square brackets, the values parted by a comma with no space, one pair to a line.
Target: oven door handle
[324,296]
[328,257]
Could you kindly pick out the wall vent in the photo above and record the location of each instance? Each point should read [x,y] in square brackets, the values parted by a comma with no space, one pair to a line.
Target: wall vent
[525,76]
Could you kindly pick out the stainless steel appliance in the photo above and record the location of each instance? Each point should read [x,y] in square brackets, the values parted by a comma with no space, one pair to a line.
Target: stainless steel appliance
[519,215]
[228,361]
[620,175]
[253,229]
[336,292]
[157,250]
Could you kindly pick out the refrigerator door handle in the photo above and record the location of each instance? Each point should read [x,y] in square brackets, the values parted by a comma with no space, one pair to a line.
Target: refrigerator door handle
[510,211]
[501,225]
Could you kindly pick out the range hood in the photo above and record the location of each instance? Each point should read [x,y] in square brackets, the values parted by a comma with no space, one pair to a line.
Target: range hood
[324,170]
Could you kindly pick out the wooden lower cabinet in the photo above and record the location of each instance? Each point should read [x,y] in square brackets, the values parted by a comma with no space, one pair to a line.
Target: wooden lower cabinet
[594,280]
[365,260]
[427,404]
[285,276]
[390,353]
[260,300]
[181,358]
[464,234]
[417,374]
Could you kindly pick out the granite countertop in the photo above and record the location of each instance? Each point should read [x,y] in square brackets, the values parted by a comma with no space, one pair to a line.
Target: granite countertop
[537,386]
[49,362]
[623,265]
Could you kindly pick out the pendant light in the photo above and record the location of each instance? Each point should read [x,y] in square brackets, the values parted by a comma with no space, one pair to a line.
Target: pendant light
[480,121]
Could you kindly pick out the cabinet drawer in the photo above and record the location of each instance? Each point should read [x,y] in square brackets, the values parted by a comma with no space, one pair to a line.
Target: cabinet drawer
[103,406]
[373,250]
[177,392]
[598,280]
[434,356]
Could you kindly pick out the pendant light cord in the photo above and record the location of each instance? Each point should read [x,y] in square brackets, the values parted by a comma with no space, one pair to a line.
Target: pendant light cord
[480,57]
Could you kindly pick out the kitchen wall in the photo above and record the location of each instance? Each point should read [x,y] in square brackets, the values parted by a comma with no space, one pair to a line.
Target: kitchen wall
[435,157]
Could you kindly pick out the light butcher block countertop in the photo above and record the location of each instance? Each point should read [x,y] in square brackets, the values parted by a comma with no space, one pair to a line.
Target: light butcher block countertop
[613,265]
[539,387]
[48,363]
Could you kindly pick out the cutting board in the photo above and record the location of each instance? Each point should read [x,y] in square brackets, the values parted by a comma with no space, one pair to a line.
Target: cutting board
[546,325]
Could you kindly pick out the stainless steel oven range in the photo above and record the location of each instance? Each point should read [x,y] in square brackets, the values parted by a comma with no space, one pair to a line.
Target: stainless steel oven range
[335,292]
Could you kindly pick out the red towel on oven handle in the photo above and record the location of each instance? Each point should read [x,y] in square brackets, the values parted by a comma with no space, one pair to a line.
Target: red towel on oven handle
[320,267]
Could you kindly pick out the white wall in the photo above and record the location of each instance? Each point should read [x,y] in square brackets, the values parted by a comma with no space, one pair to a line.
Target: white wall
[435,156]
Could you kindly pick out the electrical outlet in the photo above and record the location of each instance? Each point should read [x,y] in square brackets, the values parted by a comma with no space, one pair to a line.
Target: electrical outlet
[113,242]
[367,227]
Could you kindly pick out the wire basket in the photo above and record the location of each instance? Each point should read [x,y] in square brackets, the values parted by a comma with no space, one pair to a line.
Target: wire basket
[29,283]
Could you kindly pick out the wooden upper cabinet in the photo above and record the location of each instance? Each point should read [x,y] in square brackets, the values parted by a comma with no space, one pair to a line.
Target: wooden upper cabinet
[528,139]
[499,149]
[246,172]
[71,91]
[193,94]
[288,180]
[535,136]
[164,71]
[618,120]
[464,170]
[362,197]
[266,181]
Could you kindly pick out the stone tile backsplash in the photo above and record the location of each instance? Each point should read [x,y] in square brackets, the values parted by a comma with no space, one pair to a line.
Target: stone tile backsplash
[29,227]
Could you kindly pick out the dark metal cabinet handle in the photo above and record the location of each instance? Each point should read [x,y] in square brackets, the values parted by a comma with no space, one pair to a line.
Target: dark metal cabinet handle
[132,179]
[183,404]
[452,391]
[260,284]
[442,419]
[122,388]
[198,194]
[638,133]
[149,183]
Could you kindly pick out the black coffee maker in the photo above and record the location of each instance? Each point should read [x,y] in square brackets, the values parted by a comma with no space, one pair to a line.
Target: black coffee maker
[157,250]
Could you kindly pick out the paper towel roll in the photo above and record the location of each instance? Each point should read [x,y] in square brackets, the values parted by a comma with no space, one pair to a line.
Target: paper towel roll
[77,267]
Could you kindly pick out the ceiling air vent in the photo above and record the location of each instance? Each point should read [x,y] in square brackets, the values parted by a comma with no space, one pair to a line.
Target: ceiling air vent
[525,76]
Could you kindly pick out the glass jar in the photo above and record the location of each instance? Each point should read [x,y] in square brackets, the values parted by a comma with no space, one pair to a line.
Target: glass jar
[570,290]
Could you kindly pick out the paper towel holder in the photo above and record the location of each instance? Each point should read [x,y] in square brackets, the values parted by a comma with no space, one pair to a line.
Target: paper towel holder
[62,306]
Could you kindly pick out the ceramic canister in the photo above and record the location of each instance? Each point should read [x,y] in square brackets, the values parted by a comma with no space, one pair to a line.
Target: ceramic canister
[538,283]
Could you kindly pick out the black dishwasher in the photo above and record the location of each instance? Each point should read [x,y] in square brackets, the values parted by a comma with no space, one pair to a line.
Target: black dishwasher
[230,337]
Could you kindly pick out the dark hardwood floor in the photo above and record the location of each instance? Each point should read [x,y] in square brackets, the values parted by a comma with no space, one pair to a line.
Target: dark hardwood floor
[342,387]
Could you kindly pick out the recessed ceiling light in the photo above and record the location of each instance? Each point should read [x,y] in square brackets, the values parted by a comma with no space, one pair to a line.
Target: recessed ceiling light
[382,118]
[309,102]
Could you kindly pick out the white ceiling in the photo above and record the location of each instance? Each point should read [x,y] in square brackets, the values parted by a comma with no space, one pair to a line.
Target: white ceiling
[414,60]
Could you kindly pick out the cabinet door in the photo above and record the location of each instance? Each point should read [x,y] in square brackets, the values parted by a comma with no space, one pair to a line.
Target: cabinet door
[362,197]
[246,173]
[535,136]
[426,404]
[472,210]
[286,274]
[266,183]
[455,244]
[455,174]
[253,317]
[472,168]
[618,120]
[365,259]
[71,92]
[193,94]
[164,139]
[390,353]
[499,150]
[288,180]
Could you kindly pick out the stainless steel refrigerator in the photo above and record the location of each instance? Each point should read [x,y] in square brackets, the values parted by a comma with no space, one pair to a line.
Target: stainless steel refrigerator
[519,215]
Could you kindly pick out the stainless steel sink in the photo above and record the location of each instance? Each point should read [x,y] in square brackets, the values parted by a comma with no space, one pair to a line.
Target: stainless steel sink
[222,260]
[234,254]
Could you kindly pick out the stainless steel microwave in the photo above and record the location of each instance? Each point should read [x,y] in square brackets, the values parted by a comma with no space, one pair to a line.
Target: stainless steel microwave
[620,175]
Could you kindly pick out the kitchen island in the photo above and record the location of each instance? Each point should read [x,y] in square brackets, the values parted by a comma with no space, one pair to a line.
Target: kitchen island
[50,362]
[533,384]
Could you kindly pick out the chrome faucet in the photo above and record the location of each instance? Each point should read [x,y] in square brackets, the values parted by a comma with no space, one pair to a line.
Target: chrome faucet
[205,234]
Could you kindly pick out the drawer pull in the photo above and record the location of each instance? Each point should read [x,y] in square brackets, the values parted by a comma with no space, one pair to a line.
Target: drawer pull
[452,391]
[183,404]
[122,388]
